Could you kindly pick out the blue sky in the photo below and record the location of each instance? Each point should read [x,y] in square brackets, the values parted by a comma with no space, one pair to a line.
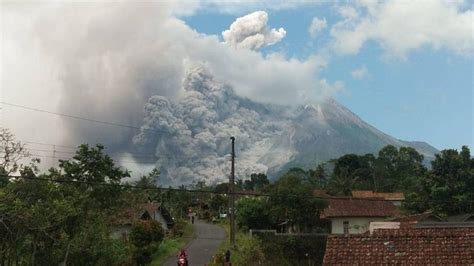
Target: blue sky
[424,94]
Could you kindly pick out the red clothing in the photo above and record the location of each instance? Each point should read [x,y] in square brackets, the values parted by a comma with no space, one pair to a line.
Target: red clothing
[182,253]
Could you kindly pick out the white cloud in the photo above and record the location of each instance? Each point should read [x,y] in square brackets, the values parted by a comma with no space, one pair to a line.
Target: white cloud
[360,73]
[245,6]
[316,26]
[251,32]
[403,26]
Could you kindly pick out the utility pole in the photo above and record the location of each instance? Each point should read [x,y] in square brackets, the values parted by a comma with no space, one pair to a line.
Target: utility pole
[54,155]
[232,196]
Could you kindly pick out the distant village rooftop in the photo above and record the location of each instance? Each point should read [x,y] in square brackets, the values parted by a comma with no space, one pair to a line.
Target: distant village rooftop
[365,194]
[351,207]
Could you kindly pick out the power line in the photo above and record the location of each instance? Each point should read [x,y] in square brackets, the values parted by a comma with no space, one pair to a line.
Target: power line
[70,158]
[83,118]
[135,154]
[122,185]
[71,116]
[144,156]
[48,144]
[241,193]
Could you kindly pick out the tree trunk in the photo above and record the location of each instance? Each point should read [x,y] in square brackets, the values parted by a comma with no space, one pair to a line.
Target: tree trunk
[64,263]
[33,254]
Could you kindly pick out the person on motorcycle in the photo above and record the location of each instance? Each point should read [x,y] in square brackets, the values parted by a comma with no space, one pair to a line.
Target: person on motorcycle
[182,256]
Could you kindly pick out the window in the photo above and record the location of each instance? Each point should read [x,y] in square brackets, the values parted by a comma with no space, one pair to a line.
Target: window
[346,227]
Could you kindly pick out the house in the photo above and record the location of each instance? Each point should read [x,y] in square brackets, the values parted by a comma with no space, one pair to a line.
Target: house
[394,197]
[444,244]
[419,218]
[467,217]
[353,216]
[122,223]
[430,218]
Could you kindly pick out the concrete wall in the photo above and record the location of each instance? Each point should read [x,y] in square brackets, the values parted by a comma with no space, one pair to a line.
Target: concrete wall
[357,225]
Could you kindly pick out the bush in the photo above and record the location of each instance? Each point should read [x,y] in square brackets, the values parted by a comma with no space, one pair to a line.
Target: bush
[146,236]
[293,250]
[178,228]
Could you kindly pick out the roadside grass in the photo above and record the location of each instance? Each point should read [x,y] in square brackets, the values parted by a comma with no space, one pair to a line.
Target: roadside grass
[170,246]
[247,252]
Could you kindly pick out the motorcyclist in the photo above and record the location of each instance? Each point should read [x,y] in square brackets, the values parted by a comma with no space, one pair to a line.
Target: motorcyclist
[182,254]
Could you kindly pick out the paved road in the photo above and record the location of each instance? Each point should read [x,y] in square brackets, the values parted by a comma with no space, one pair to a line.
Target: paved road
[201,249]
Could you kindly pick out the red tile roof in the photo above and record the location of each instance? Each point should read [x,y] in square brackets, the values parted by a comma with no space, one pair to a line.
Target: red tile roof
[363,194]
[407,246]
[350,207]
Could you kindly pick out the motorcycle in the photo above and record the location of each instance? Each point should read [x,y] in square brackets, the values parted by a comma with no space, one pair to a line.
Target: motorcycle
[182,261]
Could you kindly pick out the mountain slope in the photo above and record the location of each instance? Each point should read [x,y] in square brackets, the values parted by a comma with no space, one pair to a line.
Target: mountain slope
[190,137]
[328,130]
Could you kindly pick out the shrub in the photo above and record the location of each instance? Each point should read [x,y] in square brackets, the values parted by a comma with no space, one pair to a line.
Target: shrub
[146,237]
[178,228]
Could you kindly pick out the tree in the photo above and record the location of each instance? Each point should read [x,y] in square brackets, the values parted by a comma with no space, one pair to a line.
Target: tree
[252,213]
[61,217]
[291,200]
[451,182]
[257,182]
[318,177]
[91,168]
[217,204]
[448,188]
[342,183]
[146,237]
[148,181]
[11,152]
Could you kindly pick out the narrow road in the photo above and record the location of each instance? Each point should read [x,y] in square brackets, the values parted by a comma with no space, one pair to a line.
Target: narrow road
[201,249]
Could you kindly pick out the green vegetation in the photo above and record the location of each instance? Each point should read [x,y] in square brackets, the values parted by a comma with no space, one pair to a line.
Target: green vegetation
[67,215]
[146,237]
[171,245]
[248,251]
[445,189]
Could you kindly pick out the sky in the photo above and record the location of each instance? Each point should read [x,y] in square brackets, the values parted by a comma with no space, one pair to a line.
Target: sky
[405,67]
[420,91]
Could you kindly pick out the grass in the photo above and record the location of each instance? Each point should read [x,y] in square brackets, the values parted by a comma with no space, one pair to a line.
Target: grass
[247,251]
[171,246]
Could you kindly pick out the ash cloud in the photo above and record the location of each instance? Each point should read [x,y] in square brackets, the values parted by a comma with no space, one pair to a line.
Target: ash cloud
[191,136]
[106,61]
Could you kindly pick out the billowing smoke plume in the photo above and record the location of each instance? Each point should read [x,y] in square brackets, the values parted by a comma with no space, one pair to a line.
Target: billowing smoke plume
[192,136]
[105,60]
[251,32]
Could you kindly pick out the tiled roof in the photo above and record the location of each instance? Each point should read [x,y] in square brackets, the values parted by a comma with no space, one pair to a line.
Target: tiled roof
[414,218]
[350,207]
[363,194]
[407,246]
[151,207]
[461,218]
[130,215]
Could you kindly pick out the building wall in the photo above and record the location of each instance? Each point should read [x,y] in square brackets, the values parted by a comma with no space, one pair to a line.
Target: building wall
[357,225]
[159,218]
[397,203]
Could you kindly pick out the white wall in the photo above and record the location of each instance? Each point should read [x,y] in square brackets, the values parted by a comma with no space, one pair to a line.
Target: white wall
[159,218]
[357,225]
